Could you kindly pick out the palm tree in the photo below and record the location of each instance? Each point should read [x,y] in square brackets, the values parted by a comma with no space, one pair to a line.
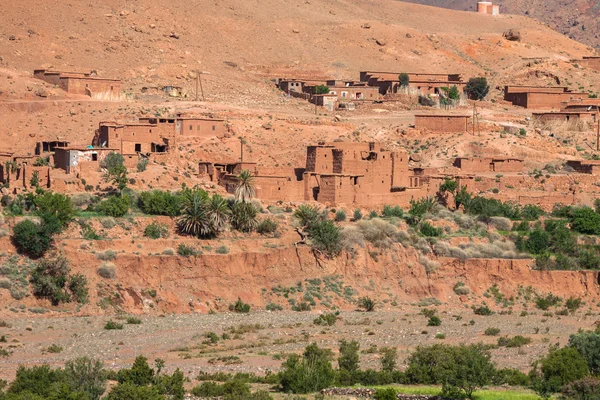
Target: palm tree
[245,189]
[219,213]
[195,217]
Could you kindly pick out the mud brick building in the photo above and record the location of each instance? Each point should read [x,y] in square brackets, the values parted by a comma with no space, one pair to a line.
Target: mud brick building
[442,122]
[537,97]
[592,62]
[488,164]
[564,116]
[83,83]
[582,105]
[389,83]
[487,7]
[156,135]
[335,173]
[80,159]
[591,167]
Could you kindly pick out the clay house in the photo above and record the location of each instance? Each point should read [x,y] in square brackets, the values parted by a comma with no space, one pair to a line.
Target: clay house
[592,62]
[582,105]
[335,173]
[564,117]
[80,159]
[591,167]
[425,83]
[442,122]
[156,134]
[16,171]
[540,97]
[325,100]
[488,164]
[293,85]
[83,83]
[487,7]
[49,146]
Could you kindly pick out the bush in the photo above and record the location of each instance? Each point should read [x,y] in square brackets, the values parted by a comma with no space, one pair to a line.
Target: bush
[385,394]
[308,215]
[366,303]
[461,289]
[107,271]
[112,161]
[389,211]
[404,79]
[239,307]
[556,370]
[267,226]
[307,374]
[186,251]
[584,389]
[434,321]
[222,250]
[142,164]
[326,237]
[483,310]
[511,377]
[86,375]
[114,206]
[133,321]
[158,202]
[326,319]
[55,210]
[357,215]
[588,345]
[349,359]
[321,89]
[492,331]
[340,215]
[31,239]
[537,243]
[547,301]
[477,88]
[156,230]
[112,325]
[458,368]
[501,223]
[50,279]
[273,307]
[531,212]
[516,341]
[244,217]
[573,304]
[429,230]
[585,220]
[107,255]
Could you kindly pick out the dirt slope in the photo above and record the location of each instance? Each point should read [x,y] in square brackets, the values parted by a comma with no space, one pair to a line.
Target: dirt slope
[576,19]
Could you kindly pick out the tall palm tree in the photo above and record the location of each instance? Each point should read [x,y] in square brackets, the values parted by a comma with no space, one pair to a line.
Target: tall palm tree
[195,217]
[219,213]
[246,188]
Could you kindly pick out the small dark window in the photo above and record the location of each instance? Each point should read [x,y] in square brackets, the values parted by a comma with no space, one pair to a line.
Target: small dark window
[190,127]
[198,128]
[86,85]
[214,128]
[111,88]
[94,157]
[138,147]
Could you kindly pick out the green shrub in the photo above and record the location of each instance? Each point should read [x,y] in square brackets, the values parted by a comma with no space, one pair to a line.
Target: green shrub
[307,374]
[326,319]
[385,394]
[340,215]
[516,341]
[133,321]
[584,389]
[112,325]
[585,220]
[547,301]
[349,360]
[222,250]
[434,321]
[186,251]
[156,230]
[404,79]
[55,210]
[483,310]
[461,289]
[273,307]
[326,237]
[357,215]
[50,279]
[107,271]
[389,211]
[158,202]
[239,307]
[114,206]
[477,88]
[573,304]
[492,331]
[366,303]
[106,255]
[429,230]
[588,345]
[142,164]
[31,239]
[267,226]
[301,307]
[321,89]
[559,368]
[511,377]
[388,358]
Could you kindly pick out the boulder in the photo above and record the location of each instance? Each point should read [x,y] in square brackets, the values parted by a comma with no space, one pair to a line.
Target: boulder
[514,35]
[381,42]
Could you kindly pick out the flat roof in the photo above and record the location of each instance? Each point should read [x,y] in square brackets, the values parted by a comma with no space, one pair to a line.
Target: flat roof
[409,73]
[84,148]
[443,115]
[563,113]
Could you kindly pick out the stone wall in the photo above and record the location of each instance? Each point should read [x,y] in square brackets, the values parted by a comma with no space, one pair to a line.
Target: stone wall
[368,393]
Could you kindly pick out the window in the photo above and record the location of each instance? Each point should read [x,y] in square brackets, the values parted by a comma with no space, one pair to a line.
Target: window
[190,127]
[138,147]
[94,156]
[198,128]
[214,128]
[111,88]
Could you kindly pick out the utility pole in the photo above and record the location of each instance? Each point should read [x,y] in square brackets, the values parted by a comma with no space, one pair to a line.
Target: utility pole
[199,82]
[598,129]
[241,150]
[474,118]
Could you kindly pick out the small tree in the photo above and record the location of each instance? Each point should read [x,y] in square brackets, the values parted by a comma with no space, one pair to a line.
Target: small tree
[31,239]
[453,93]
[307,374]
[349,358]
[367,304]
[388,358]
[588,345]
[477,88]
[321,89]
[86,375]
[404,80]
[326,237]
[557,369]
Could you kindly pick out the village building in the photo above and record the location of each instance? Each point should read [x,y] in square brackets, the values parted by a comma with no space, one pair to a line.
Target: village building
[83,83]
[17,171]
[564,116]
[442,122]
[537,97]
[335,173]
[591,62]
[424,83]
[581,105]
[488,164]
[156,134]
[45,147]
[591,167]
[487,7]
[80,159]
[293,85]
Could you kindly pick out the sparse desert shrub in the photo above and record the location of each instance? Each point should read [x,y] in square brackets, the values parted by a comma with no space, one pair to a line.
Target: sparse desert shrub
[301,306]
[267,226]
[429,230]
[326,319]
[308,373]
[547,301]
[168,252]
[429,265]
[325,236]
[516,341]
[107,270]
[222,250]
[366,303]
[142,164]
[186,251]
[389,355]
[573,303]
[357,215]
[107,255]
[389,211]
[483,310]
[351,238]
[378,231]
[108,223]
[239,306]
[477,88]
[273,307]
[340,216]
[461,289]
[501,223]
[491,331]
[133,321]
[156,230]
[112,325]
[51,279]
[434,320]
[584,389]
